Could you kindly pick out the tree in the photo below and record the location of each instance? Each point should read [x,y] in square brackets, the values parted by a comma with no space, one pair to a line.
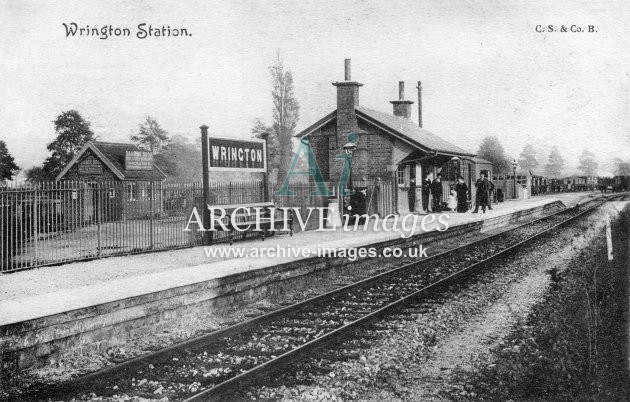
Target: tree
[285,117]
[166,163]
[622,168]
[588,166]
[492,150]
[36,174]
[184,159]
[72,134]
[151,136]
[554,166]
[7,163]
[273,145]
[527,158]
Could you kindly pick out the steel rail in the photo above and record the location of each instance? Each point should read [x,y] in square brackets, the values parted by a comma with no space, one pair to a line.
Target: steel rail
[273,364]
[118,370]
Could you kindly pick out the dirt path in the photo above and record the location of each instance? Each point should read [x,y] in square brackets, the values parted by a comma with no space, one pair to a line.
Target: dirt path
[460,351]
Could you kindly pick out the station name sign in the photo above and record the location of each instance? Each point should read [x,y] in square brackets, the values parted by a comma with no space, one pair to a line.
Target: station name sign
[226,154]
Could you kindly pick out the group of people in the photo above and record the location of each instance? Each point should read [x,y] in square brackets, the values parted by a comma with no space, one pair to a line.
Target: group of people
[458,197]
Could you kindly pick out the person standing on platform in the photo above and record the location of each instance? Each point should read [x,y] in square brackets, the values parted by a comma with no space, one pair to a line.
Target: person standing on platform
[426,193]
[411,195]
[462,195]
[490,193]
[436,190]
[481,197]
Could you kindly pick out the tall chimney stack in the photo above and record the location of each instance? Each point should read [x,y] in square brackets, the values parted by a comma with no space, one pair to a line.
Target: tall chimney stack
[347,100]
[402,107]
[419,103]
[347,70]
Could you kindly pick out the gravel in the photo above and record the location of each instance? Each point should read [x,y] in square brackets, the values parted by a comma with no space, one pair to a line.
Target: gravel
[416,360]
[83,361]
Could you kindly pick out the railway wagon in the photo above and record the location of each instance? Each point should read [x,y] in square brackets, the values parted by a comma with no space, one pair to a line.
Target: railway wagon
[614,184]
[621,183]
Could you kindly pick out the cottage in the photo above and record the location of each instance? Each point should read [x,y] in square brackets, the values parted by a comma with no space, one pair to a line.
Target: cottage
[119,181]
[390,146]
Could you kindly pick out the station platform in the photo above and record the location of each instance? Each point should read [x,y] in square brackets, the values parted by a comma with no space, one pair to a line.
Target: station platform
[46,310]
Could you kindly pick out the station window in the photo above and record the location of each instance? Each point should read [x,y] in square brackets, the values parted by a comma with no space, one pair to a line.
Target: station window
[132,191]
[450,170]
[153,191]
[401,175]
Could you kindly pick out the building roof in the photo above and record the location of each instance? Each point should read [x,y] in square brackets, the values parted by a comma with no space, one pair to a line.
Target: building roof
[399,127]
[412,131]
[113,155]
[480,160]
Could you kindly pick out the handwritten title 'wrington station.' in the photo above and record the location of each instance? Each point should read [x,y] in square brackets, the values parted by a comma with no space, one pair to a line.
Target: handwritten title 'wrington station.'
[143,31]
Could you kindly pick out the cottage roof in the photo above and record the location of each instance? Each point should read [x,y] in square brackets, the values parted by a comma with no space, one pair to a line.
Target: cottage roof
[113,154]
[480,160]
[399,127]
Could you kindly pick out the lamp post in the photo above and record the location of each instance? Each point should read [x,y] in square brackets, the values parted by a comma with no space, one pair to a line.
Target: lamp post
[514,165]
[349,149]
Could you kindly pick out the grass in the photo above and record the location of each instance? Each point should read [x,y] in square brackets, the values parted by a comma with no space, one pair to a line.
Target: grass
[573,346]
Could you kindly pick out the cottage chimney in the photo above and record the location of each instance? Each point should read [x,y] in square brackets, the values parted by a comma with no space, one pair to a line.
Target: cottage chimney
[402,107]
[347,99]
[419,103]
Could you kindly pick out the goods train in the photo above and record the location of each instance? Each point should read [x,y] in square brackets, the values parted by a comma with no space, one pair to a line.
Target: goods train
[615,184]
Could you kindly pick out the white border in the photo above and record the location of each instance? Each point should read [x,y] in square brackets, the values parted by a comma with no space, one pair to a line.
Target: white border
[237,169]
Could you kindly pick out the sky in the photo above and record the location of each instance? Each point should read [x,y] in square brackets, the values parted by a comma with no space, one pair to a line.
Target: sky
[484,68]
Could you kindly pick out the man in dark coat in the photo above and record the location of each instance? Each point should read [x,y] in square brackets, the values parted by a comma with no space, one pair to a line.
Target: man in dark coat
[426,193]
[436,190]
[490,191]
[462,195]
[411,195]
[481,197]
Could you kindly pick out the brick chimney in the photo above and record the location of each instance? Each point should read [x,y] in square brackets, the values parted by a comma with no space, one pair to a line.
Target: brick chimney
[402,107]
[347,99]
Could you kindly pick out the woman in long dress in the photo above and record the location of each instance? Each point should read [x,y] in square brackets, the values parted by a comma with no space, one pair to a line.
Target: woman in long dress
[462,195]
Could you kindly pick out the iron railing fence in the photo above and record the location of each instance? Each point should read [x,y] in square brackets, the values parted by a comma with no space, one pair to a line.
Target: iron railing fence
[51,223]
[58,222]
[377,196]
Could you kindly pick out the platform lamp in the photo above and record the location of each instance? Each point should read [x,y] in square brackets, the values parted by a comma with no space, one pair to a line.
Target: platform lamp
[514,165]
[349,148]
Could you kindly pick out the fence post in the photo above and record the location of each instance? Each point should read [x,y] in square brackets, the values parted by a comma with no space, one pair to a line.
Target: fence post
[35,223]
[265,182]
[206,183]
[97,213]
[152,214]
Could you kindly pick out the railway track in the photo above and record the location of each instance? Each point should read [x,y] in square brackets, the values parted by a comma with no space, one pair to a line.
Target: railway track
[207,367]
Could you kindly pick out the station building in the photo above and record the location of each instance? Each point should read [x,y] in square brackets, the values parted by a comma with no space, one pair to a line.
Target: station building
[391,147]
[118,181]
